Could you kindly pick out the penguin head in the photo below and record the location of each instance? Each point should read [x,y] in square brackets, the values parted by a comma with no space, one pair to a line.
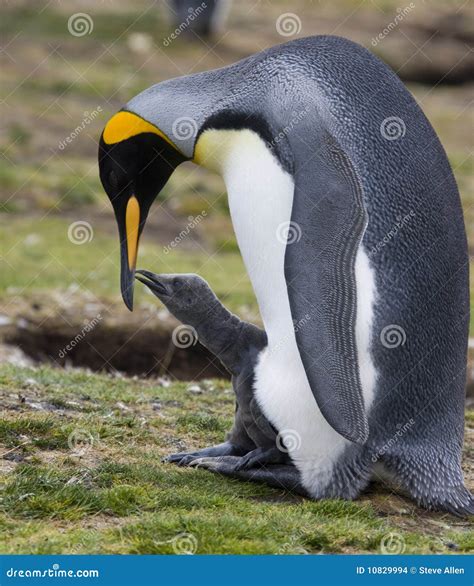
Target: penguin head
[176,120]
[136,160]
[187,296]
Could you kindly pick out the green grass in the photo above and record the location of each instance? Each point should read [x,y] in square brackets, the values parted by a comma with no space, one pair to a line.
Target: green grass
[39,257]
[112,494]
[59,187]
[106,26]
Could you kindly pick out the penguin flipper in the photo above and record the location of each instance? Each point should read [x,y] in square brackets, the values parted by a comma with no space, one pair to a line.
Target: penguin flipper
[327,225]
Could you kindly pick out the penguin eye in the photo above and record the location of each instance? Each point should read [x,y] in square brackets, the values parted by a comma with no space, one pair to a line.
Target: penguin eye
[113,180]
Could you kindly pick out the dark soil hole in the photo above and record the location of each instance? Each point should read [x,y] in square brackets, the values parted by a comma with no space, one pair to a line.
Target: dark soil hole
[123,346]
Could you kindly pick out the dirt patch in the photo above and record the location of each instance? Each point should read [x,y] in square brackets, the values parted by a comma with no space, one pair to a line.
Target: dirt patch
[88,332]
[91,333]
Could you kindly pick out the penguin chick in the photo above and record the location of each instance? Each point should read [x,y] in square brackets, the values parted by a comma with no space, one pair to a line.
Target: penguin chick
[237,344]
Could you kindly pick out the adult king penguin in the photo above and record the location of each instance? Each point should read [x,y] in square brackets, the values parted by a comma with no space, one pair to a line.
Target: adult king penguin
[349,221]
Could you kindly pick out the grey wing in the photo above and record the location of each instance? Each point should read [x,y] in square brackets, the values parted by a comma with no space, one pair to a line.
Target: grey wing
[328,219]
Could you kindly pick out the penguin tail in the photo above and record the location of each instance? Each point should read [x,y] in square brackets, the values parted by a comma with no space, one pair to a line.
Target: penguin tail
[434,487]
[458,501]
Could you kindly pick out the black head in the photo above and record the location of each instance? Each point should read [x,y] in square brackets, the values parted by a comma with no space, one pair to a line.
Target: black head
[135,162]
[187,296]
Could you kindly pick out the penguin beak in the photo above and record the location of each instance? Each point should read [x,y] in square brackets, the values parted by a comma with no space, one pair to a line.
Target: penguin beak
[142,163]
[129,250]
[152,281]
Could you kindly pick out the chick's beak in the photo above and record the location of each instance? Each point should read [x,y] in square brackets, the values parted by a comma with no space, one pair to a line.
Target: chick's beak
[152,281]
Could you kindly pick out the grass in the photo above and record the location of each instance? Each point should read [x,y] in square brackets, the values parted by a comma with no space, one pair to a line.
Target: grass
[106,26]
[81,472]
[40,257]
[57,187]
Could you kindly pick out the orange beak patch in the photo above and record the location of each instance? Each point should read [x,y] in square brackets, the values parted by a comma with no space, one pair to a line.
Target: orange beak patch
[124,125]
[132,224]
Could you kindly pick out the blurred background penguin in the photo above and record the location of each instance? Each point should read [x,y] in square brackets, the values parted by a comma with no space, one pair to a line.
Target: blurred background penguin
[204,19]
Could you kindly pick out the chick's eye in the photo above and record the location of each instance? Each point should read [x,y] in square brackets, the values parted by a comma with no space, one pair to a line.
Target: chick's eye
[113,180]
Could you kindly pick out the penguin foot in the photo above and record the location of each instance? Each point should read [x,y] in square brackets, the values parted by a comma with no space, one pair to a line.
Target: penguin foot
[283,476]
[261,457]
[185,458]
[223,464]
